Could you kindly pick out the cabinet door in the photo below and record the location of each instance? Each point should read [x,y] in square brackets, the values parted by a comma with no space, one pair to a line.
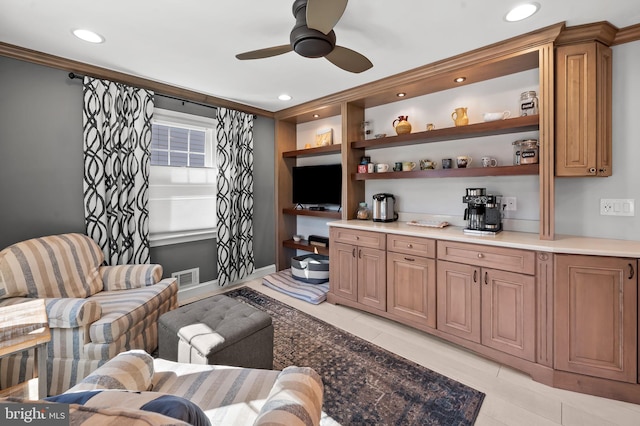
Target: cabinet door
[372,278]
[596,323]
[411,288]
[343,270]
[458,296]
[508,313]
[583,110]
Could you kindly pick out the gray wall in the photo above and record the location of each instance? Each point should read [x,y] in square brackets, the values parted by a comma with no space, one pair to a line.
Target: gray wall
[41,166]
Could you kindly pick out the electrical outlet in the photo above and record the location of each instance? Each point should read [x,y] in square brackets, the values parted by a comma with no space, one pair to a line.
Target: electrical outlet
[510,203]
[617,207]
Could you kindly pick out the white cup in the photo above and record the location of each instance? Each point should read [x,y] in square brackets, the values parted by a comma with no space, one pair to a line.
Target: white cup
[493,116]
[489,162]
[371,168]
[381,168]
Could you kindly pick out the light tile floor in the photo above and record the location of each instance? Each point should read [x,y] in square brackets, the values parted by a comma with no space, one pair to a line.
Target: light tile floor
[512,398]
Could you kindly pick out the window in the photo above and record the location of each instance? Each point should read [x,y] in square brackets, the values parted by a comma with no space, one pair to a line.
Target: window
[182,181]
[177,146]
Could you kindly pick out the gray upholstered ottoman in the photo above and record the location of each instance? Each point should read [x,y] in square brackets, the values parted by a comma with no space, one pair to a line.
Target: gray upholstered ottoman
[217,330]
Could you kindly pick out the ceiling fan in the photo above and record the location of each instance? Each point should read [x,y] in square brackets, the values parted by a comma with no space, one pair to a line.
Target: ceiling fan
[313,37]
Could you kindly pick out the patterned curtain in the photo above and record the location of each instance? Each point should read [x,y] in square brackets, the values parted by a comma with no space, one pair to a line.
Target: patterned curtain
[117,135]
[234,205]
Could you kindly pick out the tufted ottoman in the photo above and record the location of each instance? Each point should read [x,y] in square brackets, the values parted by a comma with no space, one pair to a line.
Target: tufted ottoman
[217,330]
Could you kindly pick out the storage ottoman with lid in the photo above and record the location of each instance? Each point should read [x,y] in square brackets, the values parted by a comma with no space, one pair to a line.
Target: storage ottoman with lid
[217,330]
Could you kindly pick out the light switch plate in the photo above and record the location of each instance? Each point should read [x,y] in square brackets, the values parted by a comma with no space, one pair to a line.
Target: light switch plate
[617,207]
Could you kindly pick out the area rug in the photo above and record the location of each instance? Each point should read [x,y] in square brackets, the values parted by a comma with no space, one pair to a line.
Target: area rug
[284,282]
[363,383]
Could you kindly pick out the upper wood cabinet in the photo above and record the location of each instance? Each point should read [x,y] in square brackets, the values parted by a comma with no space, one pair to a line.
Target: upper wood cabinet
[583,109]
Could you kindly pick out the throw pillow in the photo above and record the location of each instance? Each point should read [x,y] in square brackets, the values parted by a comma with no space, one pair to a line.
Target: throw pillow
[168,405]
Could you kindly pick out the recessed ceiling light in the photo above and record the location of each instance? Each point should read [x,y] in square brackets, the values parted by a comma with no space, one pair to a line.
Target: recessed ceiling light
[459,79]
[284,97]
[521,12]
[401,94]
[88,35]
[316,115]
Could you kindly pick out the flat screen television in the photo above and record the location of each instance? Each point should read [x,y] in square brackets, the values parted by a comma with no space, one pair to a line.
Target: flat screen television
[317,184]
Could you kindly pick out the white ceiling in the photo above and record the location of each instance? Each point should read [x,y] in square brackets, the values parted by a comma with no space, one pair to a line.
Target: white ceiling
[192,43]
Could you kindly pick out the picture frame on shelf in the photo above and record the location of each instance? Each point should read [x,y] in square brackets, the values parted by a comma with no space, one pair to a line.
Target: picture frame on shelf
[324,137]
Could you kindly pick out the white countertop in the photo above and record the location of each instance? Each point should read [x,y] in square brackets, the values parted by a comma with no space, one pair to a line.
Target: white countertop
[522,240]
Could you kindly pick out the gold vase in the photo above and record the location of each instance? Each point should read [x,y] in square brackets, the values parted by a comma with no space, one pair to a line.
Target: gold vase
[403,125]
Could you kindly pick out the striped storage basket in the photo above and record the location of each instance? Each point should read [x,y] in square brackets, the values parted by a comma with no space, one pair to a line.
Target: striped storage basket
[310,268]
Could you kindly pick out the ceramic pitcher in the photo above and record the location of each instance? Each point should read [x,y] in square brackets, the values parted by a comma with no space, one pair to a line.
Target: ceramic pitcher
[403,125]
[459,116]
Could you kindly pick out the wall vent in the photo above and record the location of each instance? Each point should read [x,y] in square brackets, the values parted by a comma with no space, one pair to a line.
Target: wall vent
[187,277]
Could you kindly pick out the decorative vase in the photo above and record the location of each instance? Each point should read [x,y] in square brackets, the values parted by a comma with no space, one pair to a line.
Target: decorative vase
[403,125]
[459,117]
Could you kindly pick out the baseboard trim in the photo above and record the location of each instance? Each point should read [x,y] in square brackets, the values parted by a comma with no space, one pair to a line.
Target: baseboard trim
[210,288]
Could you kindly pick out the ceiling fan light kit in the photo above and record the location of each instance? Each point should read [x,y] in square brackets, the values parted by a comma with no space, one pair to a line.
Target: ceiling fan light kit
[313,37]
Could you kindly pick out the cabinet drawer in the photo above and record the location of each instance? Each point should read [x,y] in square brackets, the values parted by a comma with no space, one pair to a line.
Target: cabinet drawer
[358,238]
[415,246]
[506,259]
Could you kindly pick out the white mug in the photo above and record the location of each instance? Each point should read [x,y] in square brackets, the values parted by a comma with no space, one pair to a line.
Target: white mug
[489,162]
[493,116]
[407,166]
[371,168]
[381,168]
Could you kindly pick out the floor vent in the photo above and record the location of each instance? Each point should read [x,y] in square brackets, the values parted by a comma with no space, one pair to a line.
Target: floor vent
[187,277]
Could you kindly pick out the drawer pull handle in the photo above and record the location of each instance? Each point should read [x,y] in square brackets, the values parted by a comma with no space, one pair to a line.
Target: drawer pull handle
[631,271]
[480,255]
[408,259]
[357,237]
[409,245]
[359,254]
[353,253]
[486,278]
[475,276]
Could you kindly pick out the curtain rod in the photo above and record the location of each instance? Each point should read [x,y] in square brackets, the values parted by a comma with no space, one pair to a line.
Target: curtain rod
[73,76]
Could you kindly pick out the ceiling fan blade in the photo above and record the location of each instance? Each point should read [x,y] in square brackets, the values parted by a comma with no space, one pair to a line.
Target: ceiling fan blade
[265,53]
[323,15]
[349,60]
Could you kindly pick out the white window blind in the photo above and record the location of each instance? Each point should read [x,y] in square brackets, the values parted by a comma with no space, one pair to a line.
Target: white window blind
[182,181]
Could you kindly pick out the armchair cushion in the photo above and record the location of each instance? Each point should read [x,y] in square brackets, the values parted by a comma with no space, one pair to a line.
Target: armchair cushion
[63,265]
[124,277]
[295,399]
[72,312]
[131,370]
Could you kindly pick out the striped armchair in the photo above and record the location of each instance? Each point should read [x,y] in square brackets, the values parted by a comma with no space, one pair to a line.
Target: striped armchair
[94,311]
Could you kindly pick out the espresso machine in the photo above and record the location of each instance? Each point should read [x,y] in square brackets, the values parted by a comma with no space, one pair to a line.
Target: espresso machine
[483,213]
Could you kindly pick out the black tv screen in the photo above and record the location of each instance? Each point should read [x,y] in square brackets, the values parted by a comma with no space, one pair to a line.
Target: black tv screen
[317,184]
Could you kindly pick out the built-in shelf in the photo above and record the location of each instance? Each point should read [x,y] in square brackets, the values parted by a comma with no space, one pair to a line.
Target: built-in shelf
[523,169]
[331,214]
[490,128]
[308,152]
[305,246]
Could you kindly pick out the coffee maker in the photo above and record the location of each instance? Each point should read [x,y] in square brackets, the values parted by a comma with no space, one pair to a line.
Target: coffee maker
[483,213]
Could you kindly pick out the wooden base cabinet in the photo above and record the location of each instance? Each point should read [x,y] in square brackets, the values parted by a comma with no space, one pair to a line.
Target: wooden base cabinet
[411,279]
[488,295]
[596,316]
[357,271]
[487,306]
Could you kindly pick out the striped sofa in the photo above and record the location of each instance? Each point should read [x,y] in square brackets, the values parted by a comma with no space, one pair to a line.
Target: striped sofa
[123,391]
[94,311]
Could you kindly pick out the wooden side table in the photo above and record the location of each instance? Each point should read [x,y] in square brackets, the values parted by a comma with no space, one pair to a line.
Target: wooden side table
[25,326]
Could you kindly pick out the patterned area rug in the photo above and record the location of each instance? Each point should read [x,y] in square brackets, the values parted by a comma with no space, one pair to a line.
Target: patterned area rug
[364,384]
